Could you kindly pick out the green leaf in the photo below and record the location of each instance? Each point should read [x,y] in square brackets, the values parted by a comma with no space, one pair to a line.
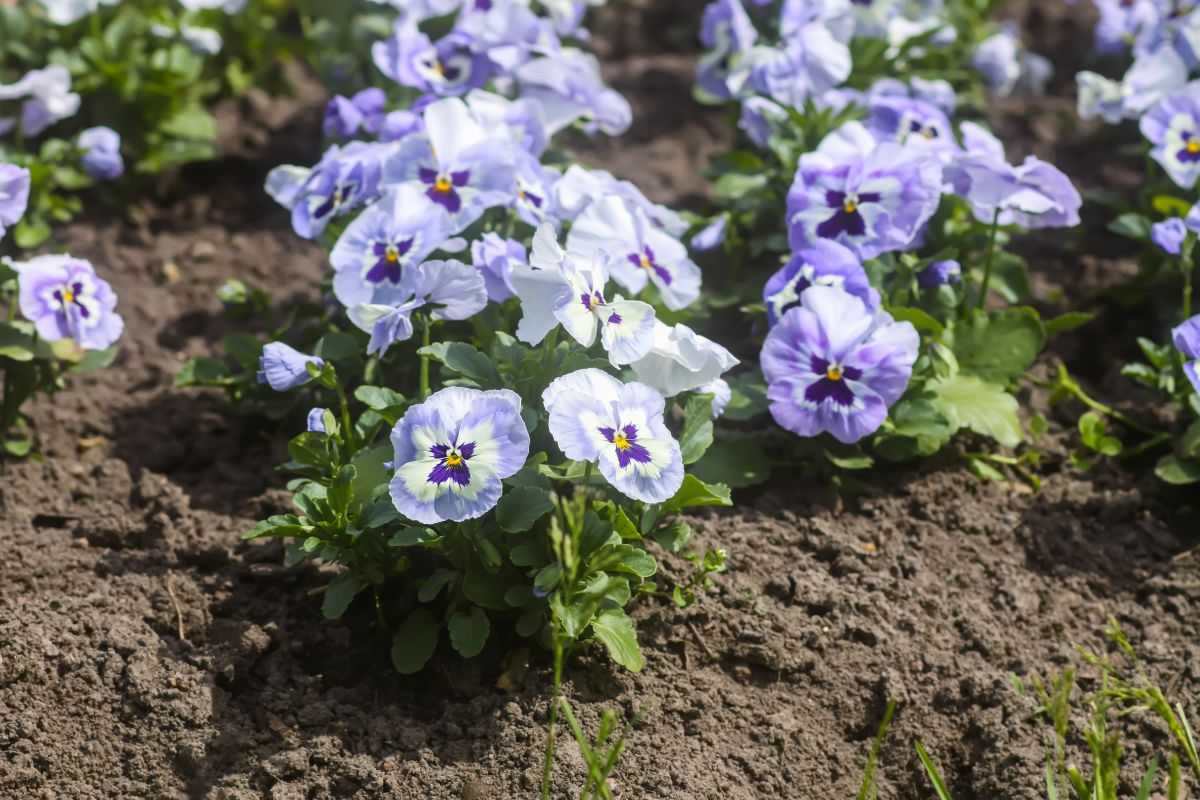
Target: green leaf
[615,630]
[1133,226]
[95,359]
[370,472]
[1173,470]
[435,583]
[485,589]
[673,536]
[19,447]
[697,428]
[407,537]
[378,398]
[980,406]
[737,463]
[202,371]
[469,631]
[999,346]
[15,344]
[521,507]
[279,525]
[466,361]
[939,786]
[191,122]
[340,593]
[920,320]
[1067,322]
[341,490]
[414,642]
[311,448]
[695,492]
[337,347]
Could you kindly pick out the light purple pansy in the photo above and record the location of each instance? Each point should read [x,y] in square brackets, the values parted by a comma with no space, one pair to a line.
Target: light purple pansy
[449,67]
[450,289]
[1153,76]
[997,58]
[568,85]
[804,66]
[283,367]
[727,34]
[912,123]
[579,187]
[521,121]
[1169,234]
[834,366]
[681,360]
[534,187]
[711,236]
[1186,338]
[64,299]
[384,241]
[940,273]
[825,263]
[495,257]
[14,195]
[101,157]
[344,178]
[759,118]
[619,426]
[452,452]
[455,163]
[556,288]
[46,99]
[1033,195]
[400,124]
[871,197]
[640,253]
[346,116]
[1173,128]
[507,32]
[315,422]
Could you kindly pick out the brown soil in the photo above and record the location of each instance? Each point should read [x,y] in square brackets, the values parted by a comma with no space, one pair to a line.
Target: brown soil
[145,652]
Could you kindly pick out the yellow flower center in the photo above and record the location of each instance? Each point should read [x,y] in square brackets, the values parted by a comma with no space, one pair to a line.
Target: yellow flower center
[620,440]
[442,185]
[453,460]
[1193,146]
[850,206]
[392,256]
[645,261]
[833,373]
[68,296]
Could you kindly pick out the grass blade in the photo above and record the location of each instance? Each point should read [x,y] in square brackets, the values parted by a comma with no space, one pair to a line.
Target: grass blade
[939,785]
[1051,784]
[867,792]
[1148,781]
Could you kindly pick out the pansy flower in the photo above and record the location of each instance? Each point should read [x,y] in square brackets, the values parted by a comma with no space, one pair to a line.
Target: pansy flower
[1173,128]
[641,253]
[65,12]
[1169,235]
[521,121]
[825,263]
[580,187]
[455,163]
[568,85]
[344,178]
[940,273]
[452,452]
[506,32]
[534,183]
[283,367]
[1152,77]
[64,299]
[450,67]
[345,116]
[727,34]
[495,257]
[388,238]
[450,289]
[1186,338]
[681,360]
[555,288]
[912,123]
[871,197]
[619,426]
[101,157]
[47,99]
[14,195]
[804,66]
[834,366]
[1033,195]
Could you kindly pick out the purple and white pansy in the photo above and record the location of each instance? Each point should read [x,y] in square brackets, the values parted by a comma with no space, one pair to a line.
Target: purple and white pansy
[455,163]
[835,366]
[449,67]
[1173,128]
[283,367]
[450,289]
[384,241]
[14,195]
[873,197]
[344,179]
[453,450]
[556,288]
[681,360]
[825,263]
[1186,338]
[64,299]
[619,426]
[640,252]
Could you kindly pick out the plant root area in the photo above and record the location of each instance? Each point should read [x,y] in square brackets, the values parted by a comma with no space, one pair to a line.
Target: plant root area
[146,652]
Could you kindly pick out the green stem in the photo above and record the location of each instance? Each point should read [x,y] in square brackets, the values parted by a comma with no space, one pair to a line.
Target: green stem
[987,262]
[427,325]
[548,767]
[1187,289]
[344,407]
